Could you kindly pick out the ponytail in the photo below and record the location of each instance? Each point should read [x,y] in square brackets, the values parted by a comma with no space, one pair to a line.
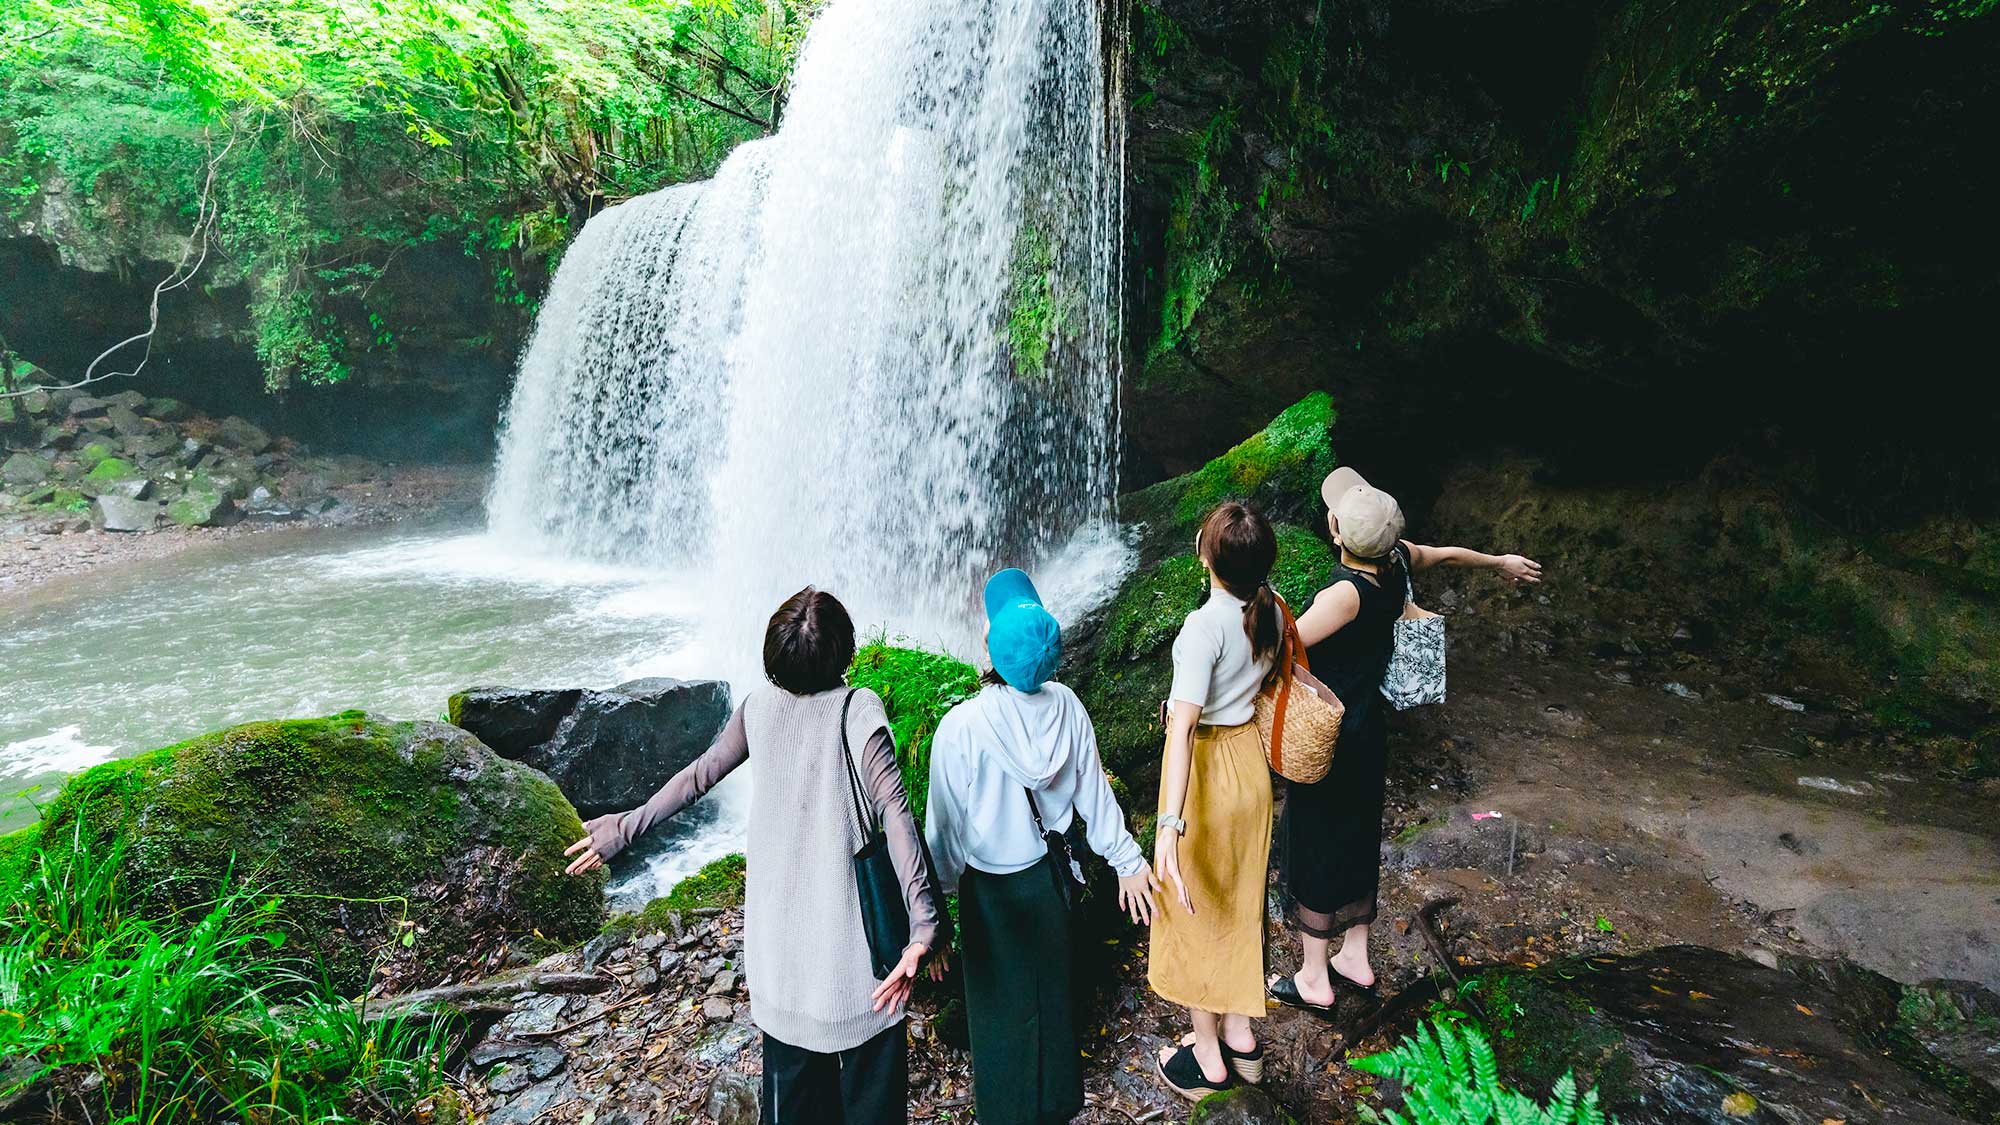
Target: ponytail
[1240,548]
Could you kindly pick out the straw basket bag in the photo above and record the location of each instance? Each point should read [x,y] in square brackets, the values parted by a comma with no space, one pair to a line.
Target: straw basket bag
[1299,727]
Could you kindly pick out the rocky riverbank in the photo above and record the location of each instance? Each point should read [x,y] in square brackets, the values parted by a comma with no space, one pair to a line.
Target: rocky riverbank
[88,480]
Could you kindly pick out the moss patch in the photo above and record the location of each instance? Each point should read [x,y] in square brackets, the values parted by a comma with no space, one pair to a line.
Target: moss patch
[718,885]
[917,687]
[405,845]
[110,470]
[1279,468]
[1541,1034]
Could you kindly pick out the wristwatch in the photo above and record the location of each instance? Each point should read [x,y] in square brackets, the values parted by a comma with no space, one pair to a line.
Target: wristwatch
[1169,820]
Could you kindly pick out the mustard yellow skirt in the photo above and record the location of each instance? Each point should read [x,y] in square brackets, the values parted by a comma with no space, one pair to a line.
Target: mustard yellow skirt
[1213,960]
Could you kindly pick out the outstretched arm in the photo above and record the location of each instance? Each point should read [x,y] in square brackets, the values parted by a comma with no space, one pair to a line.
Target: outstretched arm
[1514,568]
[611,833]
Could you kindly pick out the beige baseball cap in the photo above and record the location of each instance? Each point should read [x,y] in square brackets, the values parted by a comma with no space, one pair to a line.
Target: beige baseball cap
[1369,519]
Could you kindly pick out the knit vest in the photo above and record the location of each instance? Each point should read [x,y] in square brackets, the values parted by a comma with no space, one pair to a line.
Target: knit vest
[805,954]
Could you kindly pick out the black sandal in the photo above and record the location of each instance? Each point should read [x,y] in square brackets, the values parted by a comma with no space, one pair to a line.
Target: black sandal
[1370,992]
[1182,1074]
[1285,990]
[1246,1065]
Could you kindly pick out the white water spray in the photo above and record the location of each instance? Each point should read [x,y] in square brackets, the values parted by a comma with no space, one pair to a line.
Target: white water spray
[878,352]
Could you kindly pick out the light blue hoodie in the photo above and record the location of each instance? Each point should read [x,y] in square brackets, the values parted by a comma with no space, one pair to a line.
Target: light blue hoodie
[990,747]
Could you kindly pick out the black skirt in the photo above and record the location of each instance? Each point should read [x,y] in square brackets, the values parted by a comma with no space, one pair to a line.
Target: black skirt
[1330,836]
[1016,934]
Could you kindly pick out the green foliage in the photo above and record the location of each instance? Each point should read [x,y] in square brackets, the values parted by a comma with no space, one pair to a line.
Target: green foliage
[178,1018]
[111,469]
[342,133]
[917,688]
[1199,251]
[718,885]
[1450,1077]
[1038,311]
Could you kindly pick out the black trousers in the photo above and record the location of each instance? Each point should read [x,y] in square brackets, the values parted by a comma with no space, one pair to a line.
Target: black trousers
[865,1085]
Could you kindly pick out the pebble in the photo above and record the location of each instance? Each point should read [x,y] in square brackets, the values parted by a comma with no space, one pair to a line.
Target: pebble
[716,1008]
[723,984]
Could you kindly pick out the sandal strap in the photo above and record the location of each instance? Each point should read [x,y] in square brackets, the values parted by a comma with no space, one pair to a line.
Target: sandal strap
[1184,1070]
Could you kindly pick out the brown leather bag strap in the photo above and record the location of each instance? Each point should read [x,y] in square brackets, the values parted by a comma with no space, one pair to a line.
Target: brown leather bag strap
[1287,648]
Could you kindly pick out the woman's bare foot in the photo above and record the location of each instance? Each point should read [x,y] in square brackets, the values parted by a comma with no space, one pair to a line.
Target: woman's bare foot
[1242,1042]
[1351,962]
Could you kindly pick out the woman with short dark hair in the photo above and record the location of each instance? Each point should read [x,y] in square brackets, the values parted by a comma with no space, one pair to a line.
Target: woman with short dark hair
[834,1045]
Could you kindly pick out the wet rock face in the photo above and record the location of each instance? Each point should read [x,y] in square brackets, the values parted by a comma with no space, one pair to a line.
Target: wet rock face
[1685,1033]
[607,750]
[1622,237]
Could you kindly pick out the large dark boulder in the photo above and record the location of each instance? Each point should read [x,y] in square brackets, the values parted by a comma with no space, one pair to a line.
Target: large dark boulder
[1689,1034]
[404,853]
[607,750]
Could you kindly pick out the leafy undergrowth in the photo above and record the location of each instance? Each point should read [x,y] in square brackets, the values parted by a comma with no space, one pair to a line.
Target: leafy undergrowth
[107,1014]
[917,688]
[1450,1077]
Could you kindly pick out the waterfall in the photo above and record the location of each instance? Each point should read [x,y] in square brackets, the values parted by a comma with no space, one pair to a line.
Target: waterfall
[878,352]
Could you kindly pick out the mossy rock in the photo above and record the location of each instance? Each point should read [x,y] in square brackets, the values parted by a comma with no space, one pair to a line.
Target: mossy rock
[110,470]
[95,454]
[1279,469]
[408,853]
[1244,1105]
[203,503]
[719,885]
[917,687]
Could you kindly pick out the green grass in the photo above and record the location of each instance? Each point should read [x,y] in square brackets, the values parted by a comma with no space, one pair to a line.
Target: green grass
[917,688]
[199,1016]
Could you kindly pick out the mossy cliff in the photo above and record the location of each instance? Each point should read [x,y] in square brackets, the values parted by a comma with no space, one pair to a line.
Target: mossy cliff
[409,846]
[1620,237]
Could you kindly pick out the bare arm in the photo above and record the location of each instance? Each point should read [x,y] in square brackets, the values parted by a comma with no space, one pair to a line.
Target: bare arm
[1330,612]
[611,833]
[1514,568]
[1174,770]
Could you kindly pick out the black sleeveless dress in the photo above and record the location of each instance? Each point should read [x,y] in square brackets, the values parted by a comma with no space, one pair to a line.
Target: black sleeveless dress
[1331,831]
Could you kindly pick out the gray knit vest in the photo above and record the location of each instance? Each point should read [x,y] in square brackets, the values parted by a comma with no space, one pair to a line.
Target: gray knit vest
[805,954]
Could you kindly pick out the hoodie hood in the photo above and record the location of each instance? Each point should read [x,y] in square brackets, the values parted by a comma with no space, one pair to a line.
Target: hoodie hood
[1030,734]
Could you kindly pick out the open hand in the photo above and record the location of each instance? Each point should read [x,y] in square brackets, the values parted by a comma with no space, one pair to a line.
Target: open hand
[1135,895]
[1519,569]
[894,991]
[1167,861]
[588,861]
[938,966]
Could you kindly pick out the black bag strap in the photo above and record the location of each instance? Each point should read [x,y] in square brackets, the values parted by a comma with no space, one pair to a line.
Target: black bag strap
[869,825]
[1035,811]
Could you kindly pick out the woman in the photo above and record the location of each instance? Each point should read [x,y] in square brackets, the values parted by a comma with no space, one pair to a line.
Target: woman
[1022,739]
[1215,810]
[1331,831]
[834,1045]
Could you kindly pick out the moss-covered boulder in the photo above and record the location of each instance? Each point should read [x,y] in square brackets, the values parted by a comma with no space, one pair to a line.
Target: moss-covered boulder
[917,687]
[203,503]
[1279,468]
[407,853]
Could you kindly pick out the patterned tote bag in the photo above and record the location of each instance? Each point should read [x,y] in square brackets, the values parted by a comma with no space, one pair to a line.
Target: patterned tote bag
[1415,675]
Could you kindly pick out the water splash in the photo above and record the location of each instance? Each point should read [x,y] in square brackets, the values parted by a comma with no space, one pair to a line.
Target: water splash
[877,353]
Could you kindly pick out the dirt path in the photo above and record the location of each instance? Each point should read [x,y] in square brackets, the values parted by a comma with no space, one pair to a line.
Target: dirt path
[1630,817]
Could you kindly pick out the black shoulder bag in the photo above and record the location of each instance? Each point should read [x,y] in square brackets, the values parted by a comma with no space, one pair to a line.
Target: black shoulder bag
[885,918]
[1062,865]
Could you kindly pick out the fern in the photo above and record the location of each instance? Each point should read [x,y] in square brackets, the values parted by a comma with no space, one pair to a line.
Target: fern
[1449,1077]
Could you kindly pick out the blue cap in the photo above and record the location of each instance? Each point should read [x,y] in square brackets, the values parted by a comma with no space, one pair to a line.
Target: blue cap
[1022,637]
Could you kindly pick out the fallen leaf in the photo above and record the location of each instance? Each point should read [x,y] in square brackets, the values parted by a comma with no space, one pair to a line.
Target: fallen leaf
[1696,995]
[1739,1104]
[1803,1010]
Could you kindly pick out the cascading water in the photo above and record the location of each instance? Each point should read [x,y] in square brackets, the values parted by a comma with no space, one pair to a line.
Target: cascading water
[878,352]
